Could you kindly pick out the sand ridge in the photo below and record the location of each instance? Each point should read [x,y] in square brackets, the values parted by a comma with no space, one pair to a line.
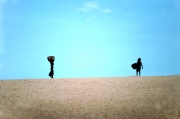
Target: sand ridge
[91,98]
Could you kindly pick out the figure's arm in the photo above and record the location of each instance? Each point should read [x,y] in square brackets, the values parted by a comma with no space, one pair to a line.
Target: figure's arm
[142,66]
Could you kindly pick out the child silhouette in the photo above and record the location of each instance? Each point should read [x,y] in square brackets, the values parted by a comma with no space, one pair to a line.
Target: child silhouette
[139,65]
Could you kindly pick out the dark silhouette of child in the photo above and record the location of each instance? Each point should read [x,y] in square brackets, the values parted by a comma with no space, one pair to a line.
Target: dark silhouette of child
[139,65]
[51,73]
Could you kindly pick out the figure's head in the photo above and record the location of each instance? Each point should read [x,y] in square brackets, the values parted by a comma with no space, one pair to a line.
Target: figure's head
[139,59]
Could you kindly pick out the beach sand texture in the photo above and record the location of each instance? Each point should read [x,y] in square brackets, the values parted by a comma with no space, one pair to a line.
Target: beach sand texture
[91,98]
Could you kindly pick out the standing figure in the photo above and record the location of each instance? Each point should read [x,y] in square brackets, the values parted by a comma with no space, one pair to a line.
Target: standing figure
[139,65]
[51,60]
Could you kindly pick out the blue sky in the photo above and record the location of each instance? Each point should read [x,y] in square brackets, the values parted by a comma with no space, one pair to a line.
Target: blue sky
[99,38]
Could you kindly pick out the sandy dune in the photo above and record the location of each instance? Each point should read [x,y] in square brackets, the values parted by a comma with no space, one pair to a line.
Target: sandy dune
[91,98]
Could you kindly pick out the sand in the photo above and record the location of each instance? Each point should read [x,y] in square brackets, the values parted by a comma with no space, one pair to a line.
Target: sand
[91,98]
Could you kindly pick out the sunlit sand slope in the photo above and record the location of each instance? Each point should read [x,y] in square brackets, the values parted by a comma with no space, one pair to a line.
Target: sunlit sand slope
[91,98]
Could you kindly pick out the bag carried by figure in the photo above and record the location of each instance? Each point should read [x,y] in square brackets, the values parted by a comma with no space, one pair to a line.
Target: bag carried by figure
[134,66]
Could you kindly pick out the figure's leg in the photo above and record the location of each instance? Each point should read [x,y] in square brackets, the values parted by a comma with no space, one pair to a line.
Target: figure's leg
[136,73]
[52,71]
[52,74]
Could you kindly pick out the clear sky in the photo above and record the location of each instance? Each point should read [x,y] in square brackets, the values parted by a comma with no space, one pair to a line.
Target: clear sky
[99,38]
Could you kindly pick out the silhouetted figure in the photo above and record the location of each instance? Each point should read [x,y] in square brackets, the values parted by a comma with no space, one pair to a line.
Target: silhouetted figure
[51,60]
[138,67]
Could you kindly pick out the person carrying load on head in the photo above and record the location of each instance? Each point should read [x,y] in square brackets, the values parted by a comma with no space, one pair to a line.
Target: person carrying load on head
[51,60]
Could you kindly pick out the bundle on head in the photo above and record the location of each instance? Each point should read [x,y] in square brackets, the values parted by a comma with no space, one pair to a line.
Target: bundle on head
[51,58]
